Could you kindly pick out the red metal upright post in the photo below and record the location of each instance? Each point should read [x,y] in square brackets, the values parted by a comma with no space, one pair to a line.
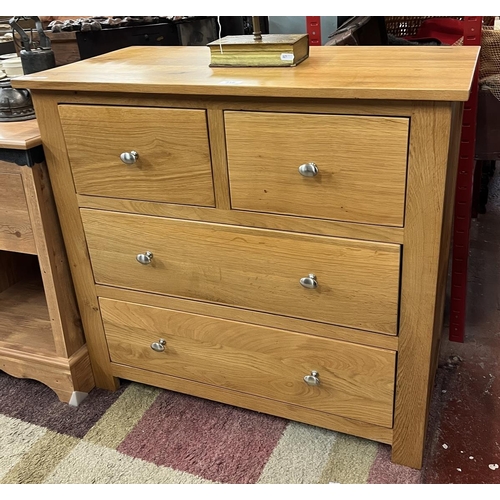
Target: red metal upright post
[463,196]
[313,26]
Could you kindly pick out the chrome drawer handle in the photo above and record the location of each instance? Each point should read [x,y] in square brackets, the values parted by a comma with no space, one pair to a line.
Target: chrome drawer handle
[309,169]
[159,346]
[145,258]
[312,379]
[129,157]
[309,282]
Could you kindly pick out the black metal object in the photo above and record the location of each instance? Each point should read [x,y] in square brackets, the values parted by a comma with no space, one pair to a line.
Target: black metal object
[231,25]
[95,43]
[7,48]
[34,59]
[248,25]
[15,104]
[23,157]
[197,31]
[37,60]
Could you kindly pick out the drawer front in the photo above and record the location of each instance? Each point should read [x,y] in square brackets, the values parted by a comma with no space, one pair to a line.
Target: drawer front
[16,234]
[357,282]
[354,381]
[360,161]
[173,157]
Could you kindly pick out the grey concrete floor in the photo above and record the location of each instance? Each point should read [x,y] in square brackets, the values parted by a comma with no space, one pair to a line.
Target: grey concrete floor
[464,425]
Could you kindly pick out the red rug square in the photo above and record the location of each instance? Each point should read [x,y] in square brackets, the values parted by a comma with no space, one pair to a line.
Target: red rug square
[218,442]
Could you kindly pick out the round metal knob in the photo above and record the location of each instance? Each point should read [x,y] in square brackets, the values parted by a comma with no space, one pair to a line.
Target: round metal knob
[309,169]
[309,281]
[129,157]
[312,379]
[145,258]
[159,346]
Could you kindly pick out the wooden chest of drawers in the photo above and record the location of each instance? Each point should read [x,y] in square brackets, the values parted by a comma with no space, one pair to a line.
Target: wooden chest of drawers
[275,238]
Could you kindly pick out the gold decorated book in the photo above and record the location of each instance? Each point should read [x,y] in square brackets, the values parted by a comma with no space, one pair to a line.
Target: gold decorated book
[272,50]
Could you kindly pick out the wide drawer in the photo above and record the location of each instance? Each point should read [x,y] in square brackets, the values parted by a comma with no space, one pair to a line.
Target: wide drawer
[354,381]
[357,282]
[172,161]
[16,234]
[360,161]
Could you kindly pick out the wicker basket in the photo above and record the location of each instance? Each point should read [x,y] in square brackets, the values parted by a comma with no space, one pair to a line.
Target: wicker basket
[402,26]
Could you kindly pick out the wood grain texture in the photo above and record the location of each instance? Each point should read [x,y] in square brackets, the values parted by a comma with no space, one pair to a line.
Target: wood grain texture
[174,158]
[361,162]
[215,121]
[62,375]
[264,405]
[8,168]
[24,318]
[414,73]
[220,102]
[383,234]
[20,135]
[355,381]
[252,317]
[59,292]
[207,275]
[74,239]
[16,234]
[251,268]
[427,174]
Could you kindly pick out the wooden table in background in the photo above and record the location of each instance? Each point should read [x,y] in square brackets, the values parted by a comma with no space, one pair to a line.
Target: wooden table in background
[40,330]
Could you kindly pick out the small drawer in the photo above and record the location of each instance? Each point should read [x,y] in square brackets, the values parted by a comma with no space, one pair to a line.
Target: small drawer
[348,168]
[352,283]
[336,377]
[16,234]
[150,154]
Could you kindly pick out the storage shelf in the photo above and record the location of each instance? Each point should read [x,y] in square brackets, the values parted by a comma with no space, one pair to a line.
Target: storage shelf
[24,318]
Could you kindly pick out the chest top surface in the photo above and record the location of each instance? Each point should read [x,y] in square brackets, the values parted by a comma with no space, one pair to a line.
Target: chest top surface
[344,72]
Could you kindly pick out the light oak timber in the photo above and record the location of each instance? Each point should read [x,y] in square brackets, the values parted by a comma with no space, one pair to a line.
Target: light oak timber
[216,131]
[58,287]
[423,254]
[20,135]
[237,314]
[361,162]
[358,282]
[355,381]
[63,187]
[383,234]
[420,86]
[16,234]
[264,405]
[64,376]
[297,105]
[173,163]
[329,72]
[40,330]
[24,319]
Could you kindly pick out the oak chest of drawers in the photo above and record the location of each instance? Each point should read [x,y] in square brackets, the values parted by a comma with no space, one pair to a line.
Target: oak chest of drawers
[272,238]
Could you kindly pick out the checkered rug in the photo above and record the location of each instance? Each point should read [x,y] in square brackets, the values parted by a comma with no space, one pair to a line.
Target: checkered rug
[141,434]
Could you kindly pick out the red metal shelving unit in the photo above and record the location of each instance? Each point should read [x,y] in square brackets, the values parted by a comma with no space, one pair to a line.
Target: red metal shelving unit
[463,196]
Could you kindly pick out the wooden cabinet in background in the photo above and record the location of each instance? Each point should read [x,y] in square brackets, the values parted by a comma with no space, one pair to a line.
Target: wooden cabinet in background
[40,329]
